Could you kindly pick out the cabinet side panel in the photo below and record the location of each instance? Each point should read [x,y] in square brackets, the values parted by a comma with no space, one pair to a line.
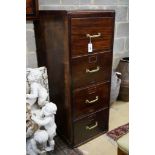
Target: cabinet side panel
[40,43]
[55,43]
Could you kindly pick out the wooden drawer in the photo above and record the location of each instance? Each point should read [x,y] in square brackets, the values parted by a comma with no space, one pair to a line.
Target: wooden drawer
[90,69]
[91,126]
[80,27]
[90,99]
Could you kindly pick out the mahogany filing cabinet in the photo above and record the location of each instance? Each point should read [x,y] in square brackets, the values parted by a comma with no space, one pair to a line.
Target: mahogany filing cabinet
[79,79]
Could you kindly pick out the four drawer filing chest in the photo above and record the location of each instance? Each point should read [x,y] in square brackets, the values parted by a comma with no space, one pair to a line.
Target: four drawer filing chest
[77,49]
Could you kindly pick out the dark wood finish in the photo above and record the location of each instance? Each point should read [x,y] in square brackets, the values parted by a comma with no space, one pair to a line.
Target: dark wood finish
[93,25]
[82,78]
[31,9]
[90,126]
[120,152]
[40,43]
[97,95]
[67,86]
[54,29]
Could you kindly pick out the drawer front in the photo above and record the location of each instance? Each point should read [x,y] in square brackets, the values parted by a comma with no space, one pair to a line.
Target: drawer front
[90,126]
[100,29]
[90,99]
[90,69]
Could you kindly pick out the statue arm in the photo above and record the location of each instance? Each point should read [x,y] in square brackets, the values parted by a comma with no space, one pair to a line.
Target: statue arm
[34,92]
[41,122]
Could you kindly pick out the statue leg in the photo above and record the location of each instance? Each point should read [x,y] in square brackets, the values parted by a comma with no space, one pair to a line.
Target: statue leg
[52,144]
[42,102]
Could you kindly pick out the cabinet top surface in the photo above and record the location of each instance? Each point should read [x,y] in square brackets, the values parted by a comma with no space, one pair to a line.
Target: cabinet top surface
[85,10]
[80,10]
[75,13]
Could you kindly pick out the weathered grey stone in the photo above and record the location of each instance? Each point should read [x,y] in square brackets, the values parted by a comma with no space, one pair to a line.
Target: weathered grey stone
[48,2]
[59,7]
[110,7]
[122,30]
[84,2]
[70,2]
[127,44]
[29,25]
[31,60]
[100,7]
[117,57]
[119,45]
[121,54]
[125,54]
[121,12]
[128,15]
[105,2]
[30,41]
[89,7]
[115,30]
[27,50]
[115,62]
[125,2]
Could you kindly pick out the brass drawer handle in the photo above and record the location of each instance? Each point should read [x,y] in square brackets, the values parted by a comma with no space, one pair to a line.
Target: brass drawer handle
[93,36]
[92,127]
[92,71]
[92,101]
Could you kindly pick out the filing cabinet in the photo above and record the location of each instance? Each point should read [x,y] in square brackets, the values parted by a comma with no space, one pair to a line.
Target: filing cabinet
[79,79]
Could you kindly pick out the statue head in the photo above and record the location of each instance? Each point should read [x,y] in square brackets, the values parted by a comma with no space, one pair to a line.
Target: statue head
[49,109]
[35,74]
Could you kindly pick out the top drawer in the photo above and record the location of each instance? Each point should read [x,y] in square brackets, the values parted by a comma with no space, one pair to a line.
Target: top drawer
[99,28]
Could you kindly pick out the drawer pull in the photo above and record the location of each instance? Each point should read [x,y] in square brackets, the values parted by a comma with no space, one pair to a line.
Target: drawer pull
[94,70]
[93,36]
[92,101]
[92,127]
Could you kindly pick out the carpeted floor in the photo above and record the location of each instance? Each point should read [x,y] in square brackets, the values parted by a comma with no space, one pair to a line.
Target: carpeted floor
[118,132]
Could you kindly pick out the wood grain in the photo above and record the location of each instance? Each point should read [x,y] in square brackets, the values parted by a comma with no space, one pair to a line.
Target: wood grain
[82,26]
[81,108]
[81,78]
[81,133]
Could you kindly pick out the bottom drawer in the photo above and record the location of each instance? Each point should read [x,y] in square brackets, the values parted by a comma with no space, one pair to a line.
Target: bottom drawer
[90,126]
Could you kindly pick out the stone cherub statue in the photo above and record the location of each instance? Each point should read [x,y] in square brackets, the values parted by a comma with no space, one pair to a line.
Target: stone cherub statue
[37,91]
[40,119]
[37,145]
[48,121]
[31,126]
